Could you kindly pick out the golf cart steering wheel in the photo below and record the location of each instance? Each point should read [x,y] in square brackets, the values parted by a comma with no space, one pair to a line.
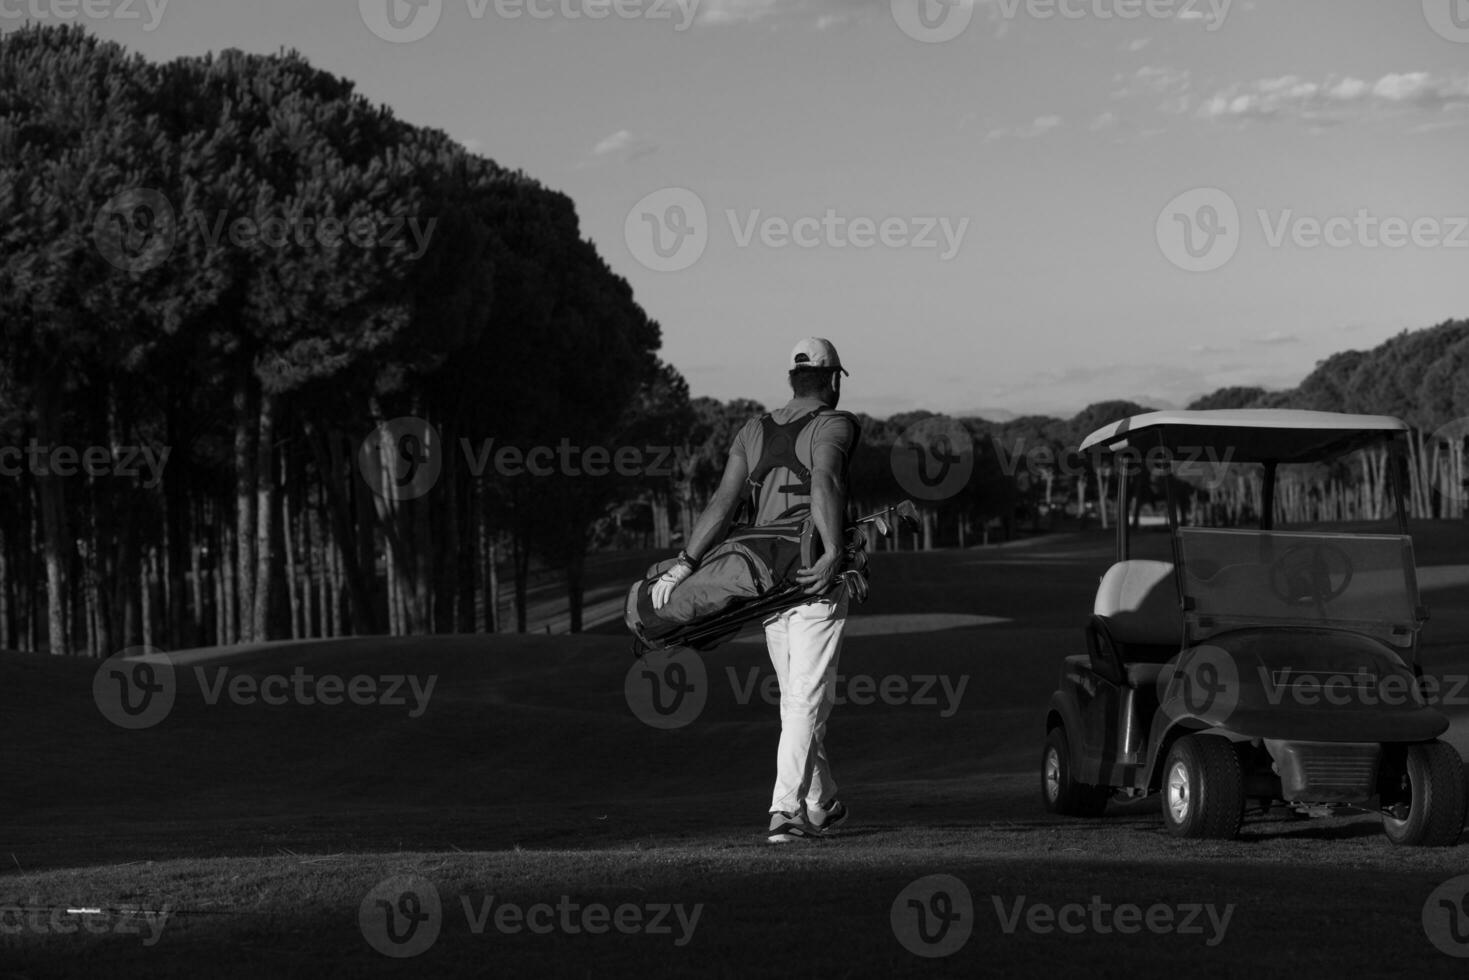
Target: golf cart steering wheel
[1310,573]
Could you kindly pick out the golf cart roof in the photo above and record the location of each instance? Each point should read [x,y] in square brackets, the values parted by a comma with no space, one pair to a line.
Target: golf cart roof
[1248,435]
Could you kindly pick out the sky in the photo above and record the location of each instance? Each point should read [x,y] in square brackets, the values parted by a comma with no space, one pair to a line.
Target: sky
[1014,205]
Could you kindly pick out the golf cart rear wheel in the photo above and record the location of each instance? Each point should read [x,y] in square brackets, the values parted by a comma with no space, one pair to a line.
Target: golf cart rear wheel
[1203,788]
[1060,791]
[1432,788]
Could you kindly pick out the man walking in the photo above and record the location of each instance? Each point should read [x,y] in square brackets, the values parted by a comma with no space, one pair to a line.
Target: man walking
[790,462]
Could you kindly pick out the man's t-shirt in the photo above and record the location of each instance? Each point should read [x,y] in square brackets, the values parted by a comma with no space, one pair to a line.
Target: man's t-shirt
[825,430]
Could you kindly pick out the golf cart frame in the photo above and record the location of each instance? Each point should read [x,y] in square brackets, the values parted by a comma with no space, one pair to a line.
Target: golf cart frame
[1197,671]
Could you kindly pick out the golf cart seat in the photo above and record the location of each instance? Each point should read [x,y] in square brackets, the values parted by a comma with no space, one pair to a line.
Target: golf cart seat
[1137,625]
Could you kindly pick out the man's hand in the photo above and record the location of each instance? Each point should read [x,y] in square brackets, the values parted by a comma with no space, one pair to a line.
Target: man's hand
[818,577]
[663,588]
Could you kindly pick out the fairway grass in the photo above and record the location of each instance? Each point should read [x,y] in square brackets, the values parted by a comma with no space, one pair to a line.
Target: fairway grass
[527,782]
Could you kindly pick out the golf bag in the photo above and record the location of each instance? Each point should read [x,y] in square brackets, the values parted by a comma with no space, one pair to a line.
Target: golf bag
[746,579]
[752,562]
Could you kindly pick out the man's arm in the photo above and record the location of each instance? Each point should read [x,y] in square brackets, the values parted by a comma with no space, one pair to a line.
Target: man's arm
[828,513]
[709,529]
[713,524]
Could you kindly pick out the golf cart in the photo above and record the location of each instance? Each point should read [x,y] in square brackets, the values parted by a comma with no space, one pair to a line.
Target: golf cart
[1265,647]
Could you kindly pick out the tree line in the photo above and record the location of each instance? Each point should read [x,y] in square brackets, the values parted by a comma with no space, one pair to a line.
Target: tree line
[208,257]
[224,282]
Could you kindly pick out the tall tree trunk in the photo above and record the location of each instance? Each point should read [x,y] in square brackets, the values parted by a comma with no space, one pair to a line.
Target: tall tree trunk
[7,627]
[266,498]
[184,622]
[194,634]
[56,534]
[521,559]
[354,562]
[228,591]
[492,617]
[467,552]
[146,587]
[246,441]
[662,533]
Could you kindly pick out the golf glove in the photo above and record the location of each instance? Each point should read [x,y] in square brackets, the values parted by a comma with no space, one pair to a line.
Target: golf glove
[663,588]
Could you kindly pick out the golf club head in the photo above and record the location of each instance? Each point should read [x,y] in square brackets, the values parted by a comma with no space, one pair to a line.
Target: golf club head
[907,512]
[883,527]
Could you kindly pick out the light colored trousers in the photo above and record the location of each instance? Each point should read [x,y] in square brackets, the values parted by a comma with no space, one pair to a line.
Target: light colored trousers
[805,644]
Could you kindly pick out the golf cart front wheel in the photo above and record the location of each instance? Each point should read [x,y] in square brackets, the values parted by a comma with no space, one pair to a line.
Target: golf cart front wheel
[1203,788]
[1060,791]
[1432,792]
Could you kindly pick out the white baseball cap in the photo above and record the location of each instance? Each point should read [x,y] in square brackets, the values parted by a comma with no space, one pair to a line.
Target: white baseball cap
[817,352]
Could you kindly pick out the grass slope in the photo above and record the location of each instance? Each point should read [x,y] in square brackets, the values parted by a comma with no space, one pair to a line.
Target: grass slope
[528,779]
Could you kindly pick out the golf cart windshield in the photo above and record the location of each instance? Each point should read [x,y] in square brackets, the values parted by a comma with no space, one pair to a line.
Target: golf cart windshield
[1234,579]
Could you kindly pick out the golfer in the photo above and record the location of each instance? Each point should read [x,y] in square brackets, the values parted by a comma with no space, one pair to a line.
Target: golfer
[793,461]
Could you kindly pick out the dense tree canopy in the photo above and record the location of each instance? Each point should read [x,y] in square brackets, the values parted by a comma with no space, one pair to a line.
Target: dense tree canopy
[222,280]
[239,259]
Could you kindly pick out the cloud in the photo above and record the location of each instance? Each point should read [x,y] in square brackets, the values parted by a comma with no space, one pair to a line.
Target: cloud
[623,145]
[1041,126]
[1337,98]
[1139,44]
[1036,128]
[823,15]
[1170,88]
[1278,338]
[1153,80]
[737,11]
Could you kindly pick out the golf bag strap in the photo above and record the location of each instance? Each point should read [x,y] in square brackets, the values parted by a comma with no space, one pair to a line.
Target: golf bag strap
[778,449]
